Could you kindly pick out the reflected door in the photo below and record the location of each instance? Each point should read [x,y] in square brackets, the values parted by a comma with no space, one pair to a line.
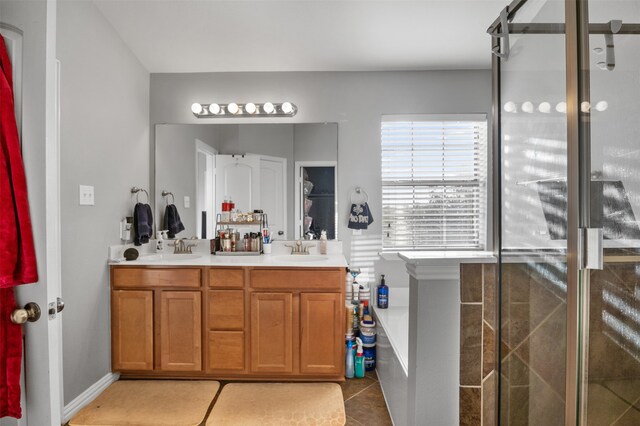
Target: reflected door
[238,177]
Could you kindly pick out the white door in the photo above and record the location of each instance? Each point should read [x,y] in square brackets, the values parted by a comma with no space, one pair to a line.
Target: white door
[273,194]
[205,189]
[42,404]
[238,177]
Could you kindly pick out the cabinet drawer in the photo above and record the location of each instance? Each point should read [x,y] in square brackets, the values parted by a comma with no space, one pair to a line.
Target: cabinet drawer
[155,277]
[226,350]
[226,277]
[226,309]
[308,279]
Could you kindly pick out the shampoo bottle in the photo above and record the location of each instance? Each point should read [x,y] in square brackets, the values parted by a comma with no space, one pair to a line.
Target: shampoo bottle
[359,361]
[383,294]
[349,360]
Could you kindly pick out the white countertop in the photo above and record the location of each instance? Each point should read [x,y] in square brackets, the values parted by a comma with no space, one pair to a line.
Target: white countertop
[201,256]
[264,260]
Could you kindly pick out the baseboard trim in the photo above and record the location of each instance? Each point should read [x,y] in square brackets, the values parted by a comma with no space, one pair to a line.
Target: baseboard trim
[88,395]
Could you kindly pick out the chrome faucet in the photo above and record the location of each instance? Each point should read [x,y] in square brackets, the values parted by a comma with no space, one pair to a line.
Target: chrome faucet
[179,247]
[299,247]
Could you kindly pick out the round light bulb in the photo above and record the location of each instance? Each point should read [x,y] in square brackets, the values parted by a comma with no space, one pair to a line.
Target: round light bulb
[527,107]
[268,108]
[287,108]
[561,107]
[585,107]
[544,107]
[233,108]
[250,108]
[214,108]
[510,107]
[196,108]
[602,106]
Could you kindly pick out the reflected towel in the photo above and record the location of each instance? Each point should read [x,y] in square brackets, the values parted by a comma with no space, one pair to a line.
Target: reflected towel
[142,223]
[172,222]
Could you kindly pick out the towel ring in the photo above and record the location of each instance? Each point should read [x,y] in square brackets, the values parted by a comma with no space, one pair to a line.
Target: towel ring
[358,192]
[136,190]
[166,194]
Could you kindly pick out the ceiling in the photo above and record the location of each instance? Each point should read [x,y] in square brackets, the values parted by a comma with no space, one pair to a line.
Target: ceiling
[349,35]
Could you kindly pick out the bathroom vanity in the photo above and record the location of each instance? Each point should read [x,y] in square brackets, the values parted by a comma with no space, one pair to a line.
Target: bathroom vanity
[267,318]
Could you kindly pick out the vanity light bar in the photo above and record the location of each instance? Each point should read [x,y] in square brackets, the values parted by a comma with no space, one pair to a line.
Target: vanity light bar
[250,109]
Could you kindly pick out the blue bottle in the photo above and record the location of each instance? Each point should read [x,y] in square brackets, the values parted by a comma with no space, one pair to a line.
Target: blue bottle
[349,360]
[383,294]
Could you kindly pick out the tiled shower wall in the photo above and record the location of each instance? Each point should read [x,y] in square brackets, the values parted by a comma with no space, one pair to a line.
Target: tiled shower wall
[478,344]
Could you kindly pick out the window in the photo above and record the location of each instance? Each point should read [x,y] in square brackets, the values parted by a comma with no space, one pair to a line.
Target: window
[434,180]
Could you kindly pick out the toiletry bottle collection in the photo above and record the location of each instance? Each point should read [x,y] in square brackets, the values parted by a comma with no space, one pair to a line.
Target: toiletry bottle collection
[361,330]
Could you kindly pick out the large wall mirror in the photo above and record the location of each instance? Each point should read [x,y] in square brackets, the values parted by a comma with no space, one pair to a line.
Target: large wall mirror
[289,171]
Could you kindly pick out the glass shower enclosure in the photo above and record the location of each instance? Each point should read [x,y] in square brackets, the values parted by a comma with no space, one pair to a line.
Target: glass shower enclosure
[567,130]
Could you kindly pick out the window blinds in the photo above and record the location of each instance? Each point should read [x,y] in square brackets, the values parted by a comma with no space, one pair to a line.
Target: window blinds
[434,184]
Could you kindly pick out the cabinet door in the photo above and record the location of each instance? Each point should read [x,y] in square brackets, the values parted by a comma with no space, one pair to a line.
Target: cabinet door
[226,351]
[132,330]
[321,318]
[180,331]
[272,332]
[226,309]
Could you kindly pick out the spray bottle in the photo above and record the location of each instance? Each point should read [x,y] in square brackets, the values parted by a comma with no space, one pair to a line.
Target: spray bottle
[359,361]
[349,360]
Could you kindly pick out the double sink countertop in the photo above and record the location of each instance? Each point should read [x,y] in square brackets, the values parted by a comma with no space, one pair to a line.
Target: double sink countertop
[280,256]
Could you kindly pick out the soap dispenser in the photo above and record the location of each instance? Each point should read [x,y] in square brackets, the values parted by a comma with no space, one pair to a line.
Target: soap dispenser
[323,242]
[160,242]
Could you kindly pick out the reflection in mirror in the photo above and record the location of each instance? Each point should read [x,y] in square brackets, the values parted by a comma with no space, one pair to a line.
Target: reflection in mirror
[253,166]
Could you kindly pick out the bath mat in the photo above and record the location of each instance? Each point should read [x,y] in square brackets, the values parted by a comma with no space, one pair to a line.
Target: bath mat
[149,402]
[278,404]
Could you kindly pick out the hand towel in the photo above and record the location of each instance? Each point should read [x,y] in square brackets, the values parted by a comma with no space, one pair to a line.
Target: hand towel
[360,216]
[142,223]
[17,250]
[172,222]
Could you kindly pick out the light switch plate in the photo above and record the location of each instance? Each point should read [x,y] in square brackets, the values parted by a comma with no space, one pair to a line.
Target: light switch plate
[87,195]
[187,202]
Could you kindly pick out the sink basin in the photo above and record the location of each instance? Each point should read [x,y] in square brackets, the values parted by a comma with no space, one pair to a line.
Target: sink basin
[300,258]
[168,257]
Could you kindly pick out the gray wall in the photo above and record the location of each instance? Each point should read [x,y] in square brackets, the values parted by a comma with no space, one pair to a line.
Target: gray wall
[355,100]
[104,143]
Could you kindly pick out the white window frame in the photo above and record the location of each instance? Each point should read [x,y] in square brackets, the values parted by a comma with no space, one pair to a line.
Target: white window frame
[480,181]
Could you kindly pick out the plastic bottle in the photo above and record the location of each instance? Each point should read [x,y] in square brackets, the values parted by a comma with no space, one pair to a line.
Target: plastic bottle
[349,372]
[383,294]
[323,242]
[359,361]
[160,242]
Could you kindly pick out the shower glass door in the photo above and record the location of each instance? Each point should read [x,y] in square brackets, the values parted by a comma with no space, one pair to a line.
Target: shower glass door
[611,377]
[534,232]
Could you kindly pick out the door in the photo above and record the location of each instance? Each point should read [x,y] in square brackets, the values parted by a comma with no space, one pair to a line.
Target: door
[273,196]
[321,327]
[535,237]
[610,385]
[238,177]
[132,328]
[316,202]
[180,331]
[272,332]
[205,190]
[35,20]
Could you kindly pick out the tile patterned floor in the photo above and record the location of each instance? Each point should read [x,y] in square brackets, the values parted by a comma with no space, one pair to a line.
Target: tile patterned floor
[364,403]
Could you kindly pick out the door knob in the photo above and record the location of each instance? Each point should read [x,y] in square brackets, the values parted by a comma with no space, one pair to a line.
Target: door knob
[30,312]
[280,232]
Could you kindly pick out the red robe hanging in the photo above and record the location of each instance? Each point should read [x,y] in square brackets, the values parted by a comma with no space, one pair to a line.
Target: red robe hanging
[17,254]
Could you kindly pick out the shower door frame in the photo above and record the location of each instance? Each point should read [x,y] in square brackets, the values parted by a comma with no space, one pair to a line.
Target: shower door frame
[577,30]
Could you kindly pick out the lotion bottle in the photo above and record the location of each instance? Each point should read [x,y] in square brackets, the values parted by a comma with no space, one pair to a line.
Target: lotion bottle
[323,242]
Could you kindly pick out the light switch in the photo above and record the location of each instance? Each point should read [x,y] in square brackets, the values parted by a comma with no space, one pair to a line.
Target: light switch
[86,195]
[187,202]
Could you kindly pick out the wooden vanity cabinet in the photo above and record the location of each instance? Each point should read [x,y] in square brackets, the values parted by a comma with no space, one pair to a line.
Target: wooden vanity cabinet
[156,320]
[228,322]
